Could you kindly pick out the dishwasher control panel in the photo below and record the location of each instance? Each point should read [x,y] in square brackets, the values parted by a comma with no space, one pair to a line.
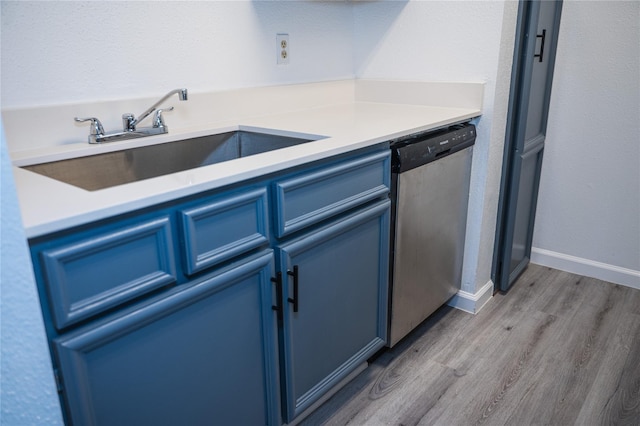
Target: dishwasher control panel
[421,148]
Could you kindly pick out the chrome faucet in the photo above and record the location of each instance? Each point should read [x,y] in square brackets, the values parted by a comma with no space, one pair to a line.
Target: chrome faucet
[130,122]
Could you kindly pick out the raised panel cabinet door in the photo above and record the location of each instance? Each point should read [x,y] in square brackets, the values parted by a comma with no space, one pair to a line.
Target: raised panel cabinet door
[335,297]
[206,355]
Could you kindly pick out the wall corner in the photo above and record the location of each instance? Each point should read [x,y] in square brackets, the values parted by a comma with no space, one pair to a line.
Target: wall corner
[472,302]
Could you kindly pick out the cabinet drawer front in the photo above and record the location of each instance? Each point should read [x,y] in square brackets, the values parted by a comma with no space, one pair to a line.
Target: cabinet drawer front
[313,197]
[224,228]
[94,274]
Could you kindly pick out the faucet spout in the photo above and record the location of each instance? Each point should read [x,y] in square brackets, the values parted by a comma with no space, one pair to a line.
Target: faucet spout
[131,122]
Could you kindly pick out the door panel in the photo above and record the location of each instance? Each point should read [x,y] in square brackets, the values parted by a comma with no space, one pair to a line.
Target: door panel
[530,164]
[542,71]
[534,59]
[342,303]
[204,355]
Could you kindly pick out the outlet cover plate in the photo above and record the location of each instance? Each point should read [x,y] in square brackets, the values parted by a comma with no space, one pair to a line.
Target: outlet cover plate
[283,50]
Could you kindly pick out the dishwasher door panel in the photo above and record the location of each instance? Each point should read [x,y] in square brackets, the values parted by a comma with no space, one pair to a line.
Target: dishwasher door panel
[431,216]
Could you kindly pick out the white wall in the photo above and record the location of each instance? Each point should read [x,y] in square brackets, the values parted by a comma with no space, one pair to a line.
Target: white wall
[62,52]
[28,394]
[451,41]
[588,217]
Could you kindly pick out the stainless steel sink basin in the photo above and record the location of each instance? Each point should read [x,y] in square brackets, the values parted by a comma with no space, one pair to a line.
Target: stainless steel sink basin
[131,165]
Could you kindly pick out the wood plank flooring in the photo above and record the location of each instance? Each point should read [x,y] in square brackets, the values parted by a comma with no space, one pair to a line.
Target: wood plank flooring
[558,349]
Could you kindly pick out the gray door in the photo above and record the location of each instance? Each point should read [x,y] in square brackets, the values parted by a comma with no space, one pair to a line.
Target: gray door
[534,58]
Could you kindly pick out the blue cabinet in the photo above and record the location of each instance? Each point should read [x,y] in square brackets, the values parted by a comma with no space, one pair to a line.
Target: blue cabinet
[104,270]
[336,311]
[175,314]
[204,355]
[308,198]
[221,228]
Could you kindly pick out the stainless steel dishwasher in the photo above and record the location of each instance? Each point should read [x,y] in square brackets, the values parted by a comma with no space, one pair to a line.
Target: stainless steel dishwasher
[430,192]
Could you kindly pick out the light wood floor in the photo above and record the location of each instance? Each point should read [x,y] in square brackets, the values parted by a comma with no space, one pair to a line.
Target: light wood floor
[558,349]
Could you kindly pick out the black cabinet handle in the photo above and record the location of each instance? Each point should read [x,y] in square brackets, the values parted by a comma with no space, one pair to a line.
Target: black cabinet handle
[542,36]
[294,300]
[278,282]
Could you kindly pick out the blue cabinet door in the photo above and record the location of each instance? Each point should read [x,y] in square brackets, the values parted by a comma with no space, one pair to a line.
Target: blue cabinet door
[205,355]
[340,299]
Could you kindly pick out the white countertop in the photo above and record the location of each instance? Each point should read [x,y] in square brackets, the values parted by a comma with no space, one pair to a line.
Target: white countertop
[49,205]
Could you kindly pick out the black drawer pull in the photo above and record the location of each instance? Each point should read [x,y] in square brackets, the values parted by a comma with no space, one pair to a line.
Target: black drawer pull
[294,300]
[278,282]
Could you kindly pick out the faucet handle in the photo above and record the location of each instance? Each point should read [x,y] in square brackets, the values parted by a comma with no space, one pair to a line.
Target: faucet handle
[128,122]
[96,125]
[158,119]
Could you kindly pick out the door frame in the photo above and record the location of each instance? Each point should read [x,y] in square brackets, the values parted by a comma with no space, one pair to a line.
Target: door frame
[521,75]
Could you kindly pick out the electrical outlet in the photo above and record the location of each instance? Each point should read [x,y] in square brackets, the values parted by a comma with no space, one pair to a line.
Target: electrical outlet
[283,50]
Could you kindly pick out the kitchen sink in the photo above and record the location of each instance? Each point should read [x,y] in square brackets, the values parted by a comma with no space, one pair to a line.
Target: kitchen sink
[131,165]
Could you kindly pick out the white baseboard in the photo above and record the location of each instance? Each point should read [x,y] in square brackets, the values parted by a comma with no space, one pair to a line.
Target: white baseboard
[472,302]
[586,267]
